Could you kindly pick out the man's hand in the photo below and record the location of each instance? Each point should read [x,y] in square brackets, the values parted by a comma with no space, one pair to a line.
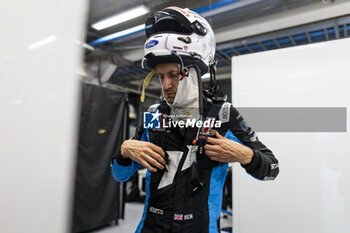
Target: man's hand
[145,153]
[225,150]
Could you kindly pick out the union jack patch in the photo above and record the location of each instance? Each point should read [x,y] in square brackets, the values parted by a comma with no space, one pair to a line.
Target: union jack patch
[178,217]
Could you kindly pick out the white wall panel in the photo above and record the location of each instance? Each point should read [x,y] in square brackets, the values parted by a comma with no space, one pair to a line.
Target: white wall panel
[312,192]
[38,99]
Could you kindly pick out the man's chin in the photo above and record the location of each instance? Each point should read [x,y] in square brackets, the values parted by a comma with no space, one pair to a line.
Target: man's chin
[170,100]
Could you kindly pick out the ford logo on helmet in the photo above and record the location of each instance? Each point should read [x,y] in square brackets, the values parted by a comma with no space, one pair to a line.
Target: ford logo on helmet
[151,43]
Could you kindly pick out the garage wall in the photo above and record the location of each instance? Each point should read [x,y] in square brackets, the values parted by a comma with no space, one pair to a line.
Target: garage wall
[312,192]
[39,56]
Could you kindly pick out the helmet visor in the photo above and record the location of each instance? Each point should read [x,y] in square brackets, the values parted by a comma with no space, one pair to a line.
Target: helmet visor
[162,21]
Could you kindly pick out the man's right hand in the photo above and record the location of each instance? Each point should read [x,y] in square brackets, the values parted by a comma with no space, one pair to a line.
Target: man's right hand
[147,154]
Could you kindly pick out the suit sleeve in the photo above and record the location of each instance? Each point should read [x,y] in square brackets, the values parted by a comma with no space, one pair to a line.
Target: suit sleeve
[122,169]
[264,165]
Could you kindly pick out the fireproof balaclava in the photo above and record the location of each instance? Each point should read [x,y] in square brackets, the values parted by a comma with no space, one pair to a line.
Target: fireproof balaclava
[186,101]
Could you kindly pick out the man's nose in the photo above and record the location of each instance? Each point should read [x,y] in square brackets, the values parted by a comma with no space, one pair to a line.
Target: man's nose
[167,83]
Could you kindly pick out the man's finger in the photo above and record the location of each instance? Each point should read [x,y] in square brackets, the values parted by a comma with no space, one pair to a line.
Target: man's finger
[153,162]
[156,156]
[148,166]
[157,149]
[218,135]
[221,159]
[216,158]
[211,153]
[214,141]
[210,147]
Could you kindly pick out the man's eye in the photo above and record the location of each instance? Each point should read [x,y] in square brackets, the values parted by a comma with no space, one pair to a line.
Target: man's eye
[174,75]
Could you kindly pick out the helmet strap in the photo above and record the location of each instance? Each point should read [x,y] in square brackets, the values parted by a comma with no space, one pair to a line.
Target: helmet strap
[183,69]
[213,87]
[212,92]
[212,76]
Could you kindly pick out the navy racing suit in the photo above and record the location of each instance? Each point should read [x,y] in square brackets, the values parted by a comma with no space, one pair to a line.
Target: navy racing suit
[174,201]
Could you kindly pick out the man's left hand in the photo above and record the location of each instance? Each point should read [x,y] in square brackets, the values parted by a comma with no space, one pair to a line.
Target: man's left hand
[225,150]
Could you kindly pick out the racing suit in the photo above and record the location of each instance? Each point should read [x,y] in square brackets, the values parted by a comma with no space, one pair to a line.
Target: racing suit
[174,201]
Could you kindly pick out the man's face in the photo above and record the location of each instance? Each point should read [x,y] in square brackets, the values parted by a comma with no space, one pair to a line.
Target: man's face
[169,78]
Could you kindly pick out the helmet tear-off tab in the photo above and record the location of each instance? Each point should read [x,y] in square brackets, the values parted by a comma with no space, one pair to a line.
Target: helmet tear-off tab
[146,83]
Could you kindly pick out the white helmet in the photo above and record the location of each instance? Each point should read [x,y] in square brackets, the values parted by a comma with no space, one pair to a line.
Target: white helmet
[179,35]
